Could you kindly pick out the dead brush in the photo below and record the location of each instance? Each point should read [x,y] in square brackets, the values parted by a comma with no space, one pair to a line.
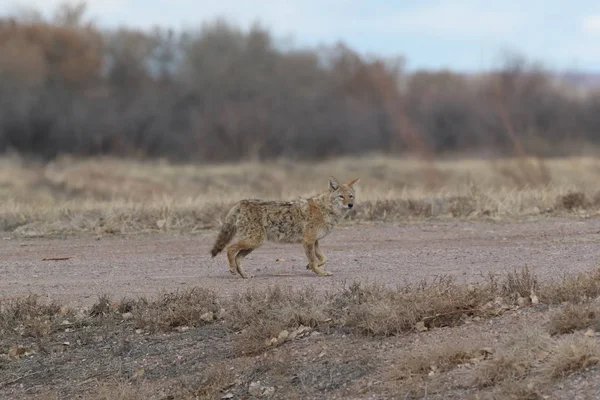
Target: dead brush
[521,283]
[574,289]
[572,355]
[376,310]
[191,308]
[437,358]
[572,201]
[574,317]
[518,390]
[513,361]
[214,379]
[29,317]
[259,316]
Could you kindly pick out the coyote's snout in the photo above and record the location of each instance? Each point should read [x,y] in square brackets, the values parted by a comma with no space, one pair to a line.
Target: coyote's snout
[303,221]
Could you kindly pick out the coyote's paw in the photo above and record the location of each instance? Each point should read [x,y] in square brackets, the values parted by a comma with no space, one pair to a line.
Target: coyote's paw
[319,271]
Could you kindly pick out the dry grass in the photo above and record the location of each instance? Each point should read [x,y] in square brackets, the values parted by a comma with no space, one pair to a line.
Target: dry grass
[251,324]
[574,317]
[438,358]
[513,361]
[110,196]
[29,317]
[572,355]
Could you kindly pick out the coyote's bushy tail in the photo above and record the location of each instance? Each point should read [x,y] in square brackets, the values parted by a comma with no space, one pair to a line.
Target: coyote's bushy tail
[227,231]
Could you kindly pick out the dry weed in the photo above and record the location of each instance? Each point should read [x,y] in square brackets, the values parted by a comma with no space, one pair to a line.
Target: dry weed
[573,317]
[517,390]
[513,361]
[437,358]
[572,355]
[187,308]
[29,317]
[579,288]
[261,316]
[379,311]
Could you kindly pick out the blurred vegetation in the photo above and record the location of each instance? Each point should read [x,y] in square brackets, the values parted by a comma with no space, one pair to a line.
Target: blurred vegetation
[219,93]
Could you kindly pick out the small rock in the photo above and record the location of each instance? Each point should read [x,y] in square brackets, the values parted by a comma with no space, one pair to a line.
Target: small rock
[207,317]
[283,335]
[268,391]
[522,301]
[254,388]
[139,331]
[139,373]
[590,333]
[421,326]
[127,316]
[182,329]
[227,396]
[18,351]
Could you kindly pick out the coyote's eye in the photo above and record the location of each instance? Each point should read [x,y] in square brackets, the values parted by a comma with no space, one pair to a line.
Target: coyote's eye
[351,196]
[341,196]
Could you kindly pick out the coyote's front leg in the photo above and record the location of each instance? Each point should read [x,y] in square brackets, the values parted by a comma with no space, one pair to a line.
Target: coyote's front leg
[313,260]
[319,254]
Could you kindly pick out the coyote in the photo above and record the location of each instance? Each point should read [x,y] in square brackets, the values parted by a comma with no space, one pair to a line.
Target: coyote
[303,221]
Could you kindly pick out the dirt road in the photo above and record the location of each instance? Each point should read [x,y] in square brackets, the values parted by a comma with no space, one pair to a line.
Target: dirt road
[135,266]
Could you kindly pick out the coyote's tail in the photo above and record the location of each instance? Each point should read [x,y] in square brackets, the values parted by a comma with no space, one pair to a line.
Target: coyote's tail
[227,231]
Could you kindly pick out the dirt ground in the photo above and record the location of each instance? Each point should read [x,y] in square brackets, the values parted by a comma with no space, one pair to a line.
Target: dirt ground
[391,254]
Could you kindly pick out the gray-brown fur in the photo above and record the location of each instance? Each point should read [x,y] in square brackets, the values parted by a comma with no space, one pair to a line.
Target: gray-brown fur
[303,221]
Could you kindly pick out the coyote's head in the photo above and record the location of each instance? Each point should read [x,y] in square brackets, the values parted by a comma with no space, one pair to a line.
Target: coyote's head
[342,196]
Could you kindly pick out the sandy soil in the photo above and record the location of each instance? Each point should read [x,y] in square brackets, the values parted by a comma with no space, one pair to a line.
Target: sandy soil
[391,254]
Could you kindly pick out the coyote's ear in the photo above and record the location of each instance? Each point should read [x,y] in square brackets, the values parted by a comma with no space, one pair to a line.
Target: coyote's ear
[333,183]
[352,183]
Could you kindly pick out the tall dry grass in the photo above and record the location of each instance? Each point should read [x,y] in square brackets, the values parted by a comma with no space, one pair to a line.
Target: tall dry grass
[107,195]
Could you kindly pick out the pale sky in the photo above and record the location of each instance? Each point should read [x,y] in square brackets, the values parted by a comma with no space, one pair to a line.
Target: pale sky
[465,35]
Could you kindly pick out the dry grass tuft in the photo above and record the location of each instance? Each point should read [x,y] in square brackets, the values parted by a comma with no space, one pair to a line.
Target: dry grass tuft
[572,355]
[188,308]
[214,380]
[575,289]
[573,200]
[518,390]
[437,359]
[376,310]
[574,317]
[520,283]
[512,362]
[260,316]
[29,317]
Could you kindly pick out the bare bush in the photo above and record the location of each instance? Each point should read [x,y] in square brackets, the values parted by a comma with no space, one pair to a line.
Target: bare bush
[221,93]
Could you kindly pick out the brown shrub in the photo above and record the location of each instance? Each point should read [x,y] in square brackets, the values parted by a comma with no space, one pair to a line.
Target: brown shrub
[191,308]
[573,317]
[29,317]
[572,355]
[574,200]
